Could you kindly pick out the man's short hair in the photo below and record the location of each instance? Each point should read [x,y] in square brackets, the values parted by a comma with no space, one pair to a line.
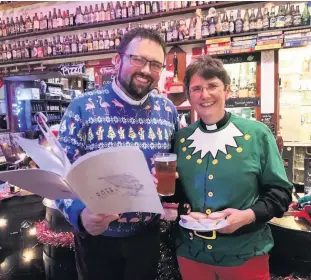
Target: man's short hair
[207,68]
[143,33]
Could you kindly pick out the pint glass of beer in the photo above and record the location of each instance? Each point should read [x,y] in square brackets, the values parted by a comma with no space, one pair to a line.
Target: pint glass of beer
[165,167]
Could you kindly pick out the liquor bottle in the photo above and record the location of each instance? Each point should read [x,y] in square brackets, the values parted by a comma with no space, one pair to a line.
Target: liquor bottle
[96,14]
[50,47]
[106,40]
[297,17]
[91,15]
[218,25]
[171,5]
[112,38]
[288,16]
[55,21]
[18,50]
[80,44]
[118,10]
[205,28]
[8,27]
[305,18]
[142,8]
[118,37]
[130,10]
[60,23]
[45,48]
[124,10]
[239,23]
[71,19]
[17,31]
[231,23]
[27,50]
[66,18]
[148,7]
[102,13]
[225,24]
[54,47]
[21,25]
[67,49]
[29,25]
[50,21]
[40,49]
[137,9]
[112,12]
[212,27]
[175,31]
[4,33]
[86,15]
[191,29]
[95,42]
[34,49]
[169,33]
[101,45]
[155,7]
[272,18]
[14,53]
[78,17]
[265,20]
[252,21]
[246,22]
[4,57]
[163,6]
[280,18]
[0,27]
[259,20]
[74,44]
[9,52]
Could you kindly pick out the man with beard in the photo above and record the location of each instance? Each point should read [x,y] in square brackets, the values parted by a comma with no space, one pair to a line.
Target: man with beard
[123,246]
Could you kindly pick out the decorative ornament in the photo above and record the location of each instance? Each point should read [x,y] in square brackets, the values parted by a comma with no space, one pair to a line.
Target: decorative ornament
[50,237]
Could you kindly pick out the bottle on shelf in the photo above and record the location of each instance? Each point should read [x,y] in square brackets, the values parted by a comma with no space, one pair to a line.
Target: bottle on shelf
[239,23]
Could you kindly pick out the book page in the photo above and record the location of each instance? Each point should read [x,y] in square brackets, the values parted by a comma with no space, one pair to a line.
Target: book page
[44,183]
[113,181]
[44,158]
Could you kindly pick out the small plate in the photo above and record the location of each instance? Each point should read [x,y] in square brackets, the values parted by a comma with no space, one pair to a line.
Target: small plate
[201,228]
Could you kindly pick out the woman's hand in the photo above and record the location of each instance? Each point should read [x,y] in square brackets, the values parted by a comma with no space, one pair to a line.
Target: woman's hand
[236,219]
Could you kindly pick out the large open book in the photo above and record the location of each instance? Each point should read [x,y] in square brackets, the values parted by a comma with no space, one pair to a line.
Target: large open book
[108,181]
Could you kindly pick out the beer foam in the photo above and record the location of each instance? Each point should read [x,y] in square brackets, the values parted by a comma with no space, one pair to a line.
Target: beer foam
[166,158]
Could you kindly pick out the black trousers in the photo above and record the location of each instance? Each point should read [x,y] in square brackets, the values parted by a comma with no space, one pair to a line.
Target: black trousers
[115,258]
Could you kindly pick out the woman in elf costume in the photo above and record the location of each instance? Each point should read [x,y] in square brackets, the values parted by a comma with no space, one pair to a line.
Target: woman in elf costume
[230,165]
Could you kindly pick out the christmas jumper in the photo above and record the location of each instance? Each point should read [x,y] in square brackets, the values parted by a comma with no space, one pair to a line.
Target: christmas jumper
[108,118]
[232,164]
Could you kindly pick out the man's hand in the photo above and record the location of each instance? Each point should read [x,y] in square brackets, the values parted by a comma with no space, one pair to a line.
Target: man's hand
[236,219]
[96,224]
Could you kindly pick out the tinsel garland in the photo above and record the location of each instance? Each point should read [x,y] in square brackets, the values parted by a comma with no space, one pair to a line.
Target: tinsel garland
[50,237]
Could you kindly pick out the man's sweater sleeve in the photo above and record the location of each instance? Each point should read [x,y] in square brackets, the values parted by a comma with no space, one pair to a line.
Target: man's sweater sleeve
[275,193]
[72,135]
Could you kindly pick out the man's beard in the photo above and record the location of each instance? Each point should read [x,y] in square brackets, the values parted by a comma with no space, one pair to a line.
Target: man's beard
[134,91]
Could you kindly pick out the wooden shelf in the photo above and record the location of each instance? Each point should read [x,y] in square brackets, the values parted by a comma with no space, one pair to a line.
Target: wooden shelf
[110,23]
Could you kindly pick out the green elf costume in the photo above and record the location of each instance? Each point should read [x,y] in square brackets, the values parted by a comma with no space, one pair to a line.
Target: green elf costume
[232,164]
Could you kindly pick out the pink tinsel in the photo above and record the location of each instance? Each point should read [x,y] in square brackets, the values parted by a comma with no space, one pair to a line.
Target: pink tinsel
[47,236]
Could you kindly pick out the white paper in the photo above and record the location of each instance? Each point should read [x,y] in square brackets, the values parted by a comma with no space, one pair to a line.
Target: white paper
[44,158]
[40,182]
[115,180]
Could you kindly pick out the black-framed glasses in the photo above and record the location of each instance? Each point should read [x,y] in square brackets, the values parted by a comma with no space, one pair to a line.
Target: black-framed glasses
[139,61]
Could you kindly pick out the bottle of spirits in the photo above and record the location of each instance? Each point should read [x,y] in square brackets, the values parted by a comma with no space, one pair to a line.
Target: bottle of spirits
[36,24]
[60,23]
[96,14]
[305,18]
[91,15]
[205,28]
[288,16]
[86,15]
[239,23]
[218,25]
[280,18]
[130,10]
[124,10]
[148,7]
[225,24]
[252,21]
[259,20]
[212,27]
[297,17]
[246,26]
[231,23]
[272,18]
[118,10]
[265,21]
[55,21]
